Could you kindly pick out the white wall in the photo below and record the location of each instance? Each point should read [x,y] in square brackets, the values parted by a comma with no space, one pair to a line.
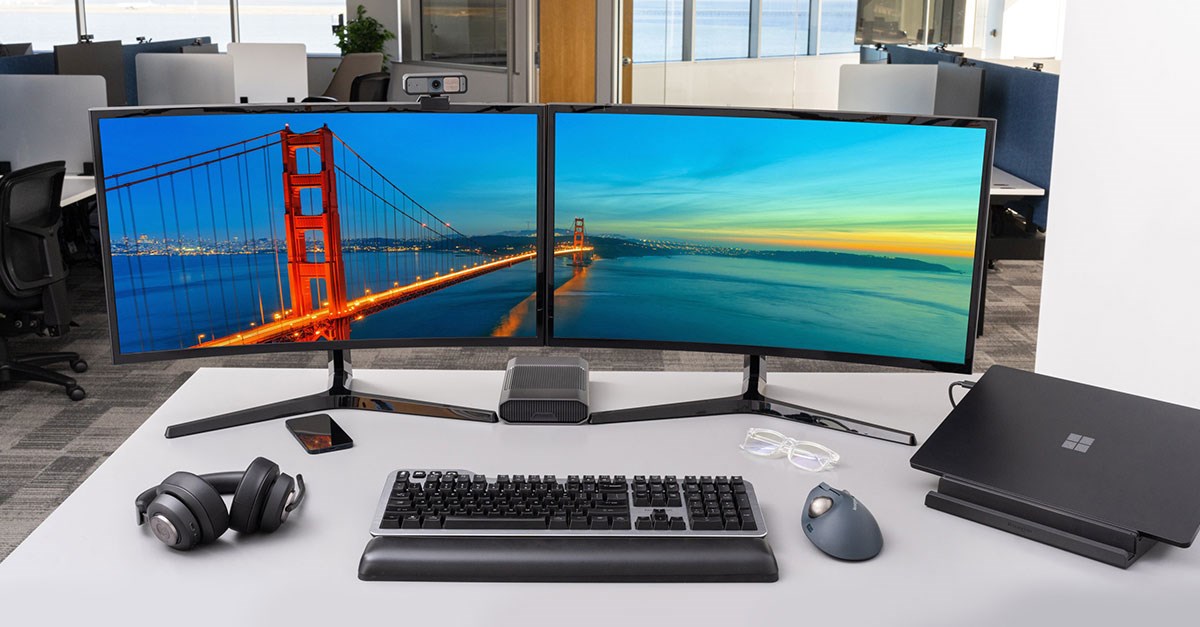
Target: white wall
[1033,28]
[787,82]
[387,12]
[1121,288]
[482,85]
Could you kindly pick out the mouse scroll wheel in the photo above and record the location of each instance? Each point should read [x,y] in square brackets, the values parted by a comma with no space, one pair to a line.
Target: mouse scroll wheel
[819,506]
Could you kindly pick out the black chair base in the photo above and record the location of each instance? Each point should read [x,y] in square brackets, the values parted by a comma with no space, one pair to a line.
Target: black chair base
[30,368]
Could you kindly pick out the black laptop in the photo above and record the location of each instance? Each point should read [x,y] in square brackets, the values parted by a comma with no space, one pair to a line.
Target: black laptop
[1094,471]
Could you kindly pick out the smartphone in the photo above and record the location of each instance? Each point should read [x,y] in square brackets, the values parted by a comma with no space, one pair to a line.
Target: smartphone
[318,433]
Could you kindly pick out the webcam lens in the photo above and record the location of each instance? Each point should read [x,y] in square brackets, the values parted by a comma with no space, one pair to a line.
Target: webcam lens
[436,84]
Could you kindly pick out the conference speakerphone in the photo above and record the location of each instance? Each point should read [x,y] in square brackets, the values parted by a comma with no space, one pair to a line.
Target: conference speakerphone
[1089,470]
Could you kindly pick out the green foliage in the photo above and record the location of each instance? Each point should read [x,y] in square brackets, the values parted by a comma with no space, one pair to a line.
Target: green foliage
[364,34]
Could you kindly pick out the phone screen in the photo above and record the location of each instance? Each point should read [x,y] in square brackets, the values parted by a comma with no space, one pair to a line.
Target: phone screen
[318,433]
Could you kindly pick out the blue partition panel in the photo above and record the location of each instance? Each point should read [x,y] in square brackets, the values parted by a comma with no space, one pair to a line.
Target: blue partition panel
[1024,103]
[41,63]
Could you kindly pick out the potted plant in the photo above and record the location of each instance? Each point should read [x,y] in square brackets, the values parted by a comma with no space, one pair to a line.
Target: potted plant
[364,34]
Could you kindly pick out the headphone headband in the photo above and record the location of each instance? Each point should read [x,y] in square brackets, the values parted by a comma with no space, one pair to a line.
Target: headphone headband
[222,482]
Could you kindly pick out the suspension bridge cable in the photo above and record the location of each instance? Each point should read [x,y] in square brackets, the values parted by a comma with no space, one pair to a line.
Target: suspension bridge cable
[271,222]
[177,171]
[187,292]
[208,307]
[189,158]
[162,216]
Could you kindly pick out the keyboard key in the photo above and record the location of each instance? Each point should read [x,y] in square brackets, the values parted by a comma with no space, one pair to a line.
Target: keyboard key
[468,522]
[424,502]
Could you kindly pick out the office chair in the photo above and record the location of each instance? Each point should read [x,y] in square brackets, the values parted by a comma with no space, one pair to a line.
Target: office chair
[370,87]
[33,291]
[352,66]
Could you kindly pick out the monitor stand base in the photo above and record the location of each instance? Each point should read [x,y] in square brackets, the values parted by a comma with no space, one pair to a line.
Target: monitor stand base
[753,400]
[338,396]
[1090,538]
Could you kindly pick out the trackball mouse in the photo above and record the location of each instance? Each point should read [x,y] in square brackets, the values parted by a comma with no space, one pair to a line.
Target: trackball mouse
[840,525]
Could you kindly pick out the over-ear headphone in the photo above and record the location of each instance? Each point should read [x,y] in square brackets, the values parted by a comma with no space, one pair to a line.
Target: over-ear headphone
[186,510]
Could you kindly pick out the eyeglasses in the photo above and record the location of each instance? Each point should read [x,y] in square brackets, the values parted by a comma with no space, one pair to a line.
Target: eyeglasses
[804,455]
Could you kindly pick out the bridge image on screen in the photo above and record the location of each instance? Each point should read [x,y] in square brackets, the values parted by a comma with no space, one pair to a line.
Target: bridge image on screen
[245,229]
[816,235]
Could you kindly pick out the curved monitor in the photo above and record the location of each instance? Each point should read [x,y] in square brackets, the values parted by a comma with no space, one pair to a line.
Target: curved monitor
[847,237]
[298,227]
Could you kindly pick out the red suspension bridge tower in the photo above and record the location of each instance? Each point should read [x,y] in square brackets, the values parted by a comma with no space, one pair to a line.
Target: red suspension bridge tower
[579,258]
[299,220]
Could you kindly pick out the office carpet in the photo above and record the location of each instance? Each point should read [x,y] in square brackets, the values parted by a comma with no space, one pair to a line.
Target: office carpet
[49,445]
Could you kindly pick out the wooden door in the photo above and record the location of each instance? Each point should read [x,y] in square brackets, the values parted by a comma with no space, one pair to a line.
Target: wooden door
[567,51]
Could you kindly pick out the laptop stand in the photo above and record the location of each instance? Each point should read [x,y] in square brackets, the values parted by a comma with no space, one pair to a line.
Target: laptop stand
[1084,536]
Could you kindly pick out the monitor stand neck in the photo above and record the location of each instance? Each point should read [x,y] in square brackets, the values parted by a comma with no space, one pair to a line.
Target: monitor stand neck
[340,395]
[754,400]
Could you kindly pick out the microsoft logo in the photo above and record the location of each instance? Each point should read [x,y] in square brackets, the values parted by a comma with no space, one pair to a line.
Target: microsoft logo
[1078,442]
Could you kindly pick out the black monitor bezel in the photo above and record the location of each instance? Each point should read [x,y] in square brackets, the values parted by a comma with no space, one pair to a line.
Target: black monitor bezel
[120,357]
[964,367]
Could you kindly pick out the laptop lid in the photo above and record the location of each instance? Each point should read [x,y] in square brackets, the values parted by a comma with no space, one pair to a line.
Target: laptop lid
[1121,459]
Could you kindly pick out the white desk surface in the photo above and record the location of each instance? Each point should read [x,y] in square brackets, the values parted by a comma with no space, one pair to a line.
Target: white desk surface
[88,563]
[1006,184]
[76,187]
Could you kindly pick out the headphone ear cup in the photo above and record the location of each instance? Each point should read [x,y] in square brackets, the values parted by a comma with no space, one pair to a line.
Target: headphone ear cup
[245,513]
[173,523]
[201,500]
[273,511]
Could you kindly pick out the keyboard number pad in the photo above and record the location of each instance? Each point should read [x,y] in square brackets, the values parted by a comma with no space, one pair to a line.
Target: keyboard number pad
[715,503]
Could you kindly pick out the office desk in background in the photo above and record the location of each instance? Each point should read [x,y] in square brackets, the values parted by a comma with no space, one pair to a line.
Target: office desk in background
[1005,241]
[1009,185]
[76,188]
[89,562]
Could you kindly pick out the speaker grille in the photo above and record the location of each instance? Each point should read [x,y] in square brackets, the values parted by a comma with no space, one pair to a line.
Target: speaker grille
[543,411]
[544,377]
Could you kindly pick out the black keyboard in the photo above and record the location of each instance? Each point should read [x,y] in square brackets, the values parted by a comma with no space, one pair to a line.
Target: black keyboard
[461,503]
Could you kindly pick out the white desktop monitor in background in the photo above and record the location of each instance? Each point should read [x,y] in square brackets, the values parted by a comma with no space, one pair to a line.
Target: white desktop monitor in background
[45,118]
[269,73]
[879,88]
[942,89]
[185,79]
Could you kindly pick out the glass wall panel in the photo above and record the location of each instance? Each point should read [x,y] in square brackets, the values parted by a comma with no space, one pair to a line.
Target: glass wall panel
[722,29]
[657,30]
[44,23]
[784,28]
[159,20]
[308,22]
[465,31]
[837,26]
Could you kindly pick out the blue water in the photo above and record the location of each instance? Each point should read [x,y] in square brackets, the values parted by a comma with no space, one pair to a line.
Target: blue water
[166,302]
[720,300]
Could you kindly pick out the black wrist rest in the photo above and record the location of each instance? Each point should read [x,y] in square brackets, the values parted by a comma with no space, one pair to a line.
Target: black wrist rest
[581,559]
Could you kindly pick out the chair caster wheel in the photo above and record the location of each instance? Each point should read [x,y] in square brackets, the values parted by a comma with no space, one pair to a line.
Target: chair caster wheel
[76,393]
[79,365]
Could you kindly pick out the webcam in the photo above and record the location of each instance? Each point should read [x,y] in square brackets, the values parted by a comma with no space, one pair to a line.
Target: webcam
[434,84]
